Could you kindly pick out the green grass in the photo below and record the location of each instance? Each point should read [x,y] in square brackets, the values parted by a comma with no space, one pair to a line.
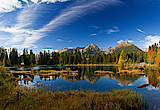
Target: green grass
[15,97]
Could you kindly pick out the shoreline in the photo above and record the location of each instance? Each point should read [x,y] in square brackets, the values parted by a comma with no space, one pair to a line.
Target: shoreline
[71,65]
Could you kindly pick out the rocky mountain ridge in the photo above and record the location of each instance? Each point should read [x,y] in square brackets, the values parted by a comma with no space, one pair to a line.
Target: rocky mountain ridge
[91,49]
[94,49]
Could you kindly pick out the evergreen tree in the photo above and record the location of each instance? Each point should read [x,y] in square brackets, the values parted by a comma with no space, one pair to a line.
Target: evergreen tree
[32,58]
[54,58]
[104,58]
[41,59]
[14,57]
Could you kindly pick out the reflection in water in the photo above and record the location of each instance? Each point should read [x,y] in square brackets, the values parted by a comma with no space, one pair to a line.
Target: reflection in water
[91,78]
[147,85]
[87,73]
[122,79]
[153,78]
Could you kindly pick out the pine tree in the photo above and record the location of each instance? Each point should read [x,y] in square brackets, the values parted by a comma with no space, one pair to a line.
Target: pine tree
[14,57]
[8,63]
[32,57]
[41,60]
[104,58]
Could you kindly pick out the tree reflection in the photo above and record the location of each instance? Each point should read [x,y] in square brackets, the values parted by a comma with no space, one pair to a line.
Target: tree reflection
[153,78]
[87,73]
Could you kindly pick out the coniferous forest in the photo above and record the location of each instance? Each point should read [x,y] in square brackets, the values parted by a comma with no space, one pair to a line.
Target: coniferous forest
[28,58]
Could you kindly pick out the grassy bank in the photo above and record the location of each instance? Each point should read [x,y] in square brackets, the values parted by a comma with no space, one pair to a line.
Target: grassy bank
[69,65]
[92,65]
[16,97]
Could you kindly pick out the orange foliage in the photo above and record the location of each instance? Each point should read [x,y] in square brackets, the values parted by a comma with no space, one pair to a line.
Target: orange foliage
[149,55]
[158,57]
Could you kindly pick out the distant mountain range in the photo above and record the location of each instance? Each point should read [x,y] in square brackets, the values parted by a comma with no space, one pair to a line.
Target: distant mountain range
[93,49]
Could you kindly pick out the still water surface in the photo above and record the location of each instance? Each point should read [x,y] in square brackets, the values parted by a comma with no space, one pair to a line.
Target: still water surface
[87,80]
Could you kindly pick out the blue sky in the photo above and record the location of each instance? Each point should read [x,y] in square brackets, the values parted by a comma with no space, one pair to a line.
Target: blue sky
[55,24]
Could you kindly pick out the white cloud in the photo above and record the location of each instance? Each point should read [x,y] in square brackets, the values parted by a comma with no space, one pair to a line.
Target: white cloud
[53,1]
[113,30]
[51,50]
[77,10]
[22,35]
[9,5]
[12,5]
[3,38]
[93,34]
[60,40]
[27,16]
[1,15]
[139,30]
[151,39]
[141,41]
[130,41]
[120,41]
[25,1]
[35,1]
[115,27]
[24,46]
[70,41]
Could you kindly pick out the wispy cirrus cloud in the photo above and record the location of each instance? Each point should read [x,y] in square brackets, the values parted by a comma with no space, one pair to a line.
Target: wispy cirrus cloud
[12,5]
[23,35]
[1,15]
[139,30]
[113,30]
[77,10]
[53,1]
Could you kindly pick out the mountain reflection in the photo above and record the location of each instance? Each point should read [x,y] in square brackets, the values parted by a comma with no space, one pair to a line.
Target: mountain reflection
[122,79]
[87,73]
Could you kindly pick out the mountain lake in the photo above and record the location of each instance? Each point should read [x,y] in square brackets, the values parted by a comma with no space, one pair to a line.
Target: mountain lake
[147,85]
